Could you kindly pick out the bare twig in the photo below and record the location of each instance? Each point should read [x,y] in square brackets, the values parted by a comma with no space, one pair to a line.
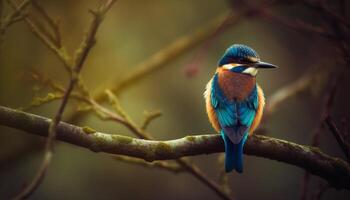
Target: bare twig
[59,51]
[116,104]
[149,117]
[338,136]
[82,53]
[327,106]
[11,18]
[52,23]
[284,93]
[34,184]
[334,170]
[156,164]
[313,78]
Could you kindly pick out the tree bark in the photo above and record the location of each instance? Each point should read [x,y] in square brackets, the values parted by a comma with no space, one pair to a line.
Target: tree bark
[334,170]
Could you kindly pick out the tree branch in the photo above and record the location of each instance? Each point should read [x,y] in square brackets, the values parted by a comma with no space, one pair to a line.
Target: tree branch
[123,118]
[334,170]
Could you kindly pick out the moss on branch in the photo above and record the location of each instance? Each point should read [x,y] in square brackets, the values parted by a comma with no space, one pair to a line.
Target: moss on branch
[334,170]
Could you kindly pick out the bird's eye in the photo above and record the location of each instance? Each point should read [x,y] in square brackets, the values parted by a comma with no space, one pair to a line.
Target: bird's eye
[247,61]
[236,60]
[243,61]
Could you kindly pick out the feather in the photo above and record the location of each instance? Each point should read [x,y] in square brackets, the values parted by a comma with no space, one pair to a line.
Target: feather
[259,110]
[233,153]
[229,153]
[210,109]
[238,154]
[235,118]
[235,133]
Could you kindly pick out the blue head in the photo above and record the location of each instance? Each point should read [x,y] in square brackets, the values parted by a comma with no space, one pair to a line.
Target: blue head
[242,59]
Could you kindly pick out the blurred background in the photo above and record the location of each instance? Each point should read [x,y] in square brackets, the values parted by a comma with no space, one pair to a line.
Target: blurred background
[132,32]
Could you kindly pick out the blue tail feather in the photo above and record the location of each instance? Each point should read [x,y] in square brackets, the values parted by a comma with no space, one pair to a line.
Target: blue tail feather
[238,154]
[233,153]
[229,154]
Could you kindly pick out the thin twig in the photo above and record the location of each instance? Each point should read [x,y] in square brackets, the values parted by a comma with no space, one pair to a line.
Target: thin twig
[11,18]
[338,136]
[149,117]
[156,164]
[52,23]
[326,108]
[292,89]
[59,51]
[83,51]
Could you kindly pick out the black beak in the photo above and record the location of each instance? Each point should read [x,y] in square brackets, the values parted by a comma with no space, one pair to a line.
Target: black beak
[264,65]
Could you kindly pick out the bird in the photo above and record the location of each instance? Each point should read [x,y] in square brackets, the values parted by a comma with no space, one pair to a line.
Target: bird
[234,101]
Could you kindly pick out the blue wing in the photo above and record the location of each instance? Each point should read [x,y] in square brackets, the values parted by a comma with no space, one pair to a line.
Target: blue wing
[235,118]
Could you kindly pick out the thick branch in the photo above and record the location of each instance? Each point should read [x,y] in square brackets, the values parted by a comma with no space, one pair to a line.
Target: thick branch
[334,170]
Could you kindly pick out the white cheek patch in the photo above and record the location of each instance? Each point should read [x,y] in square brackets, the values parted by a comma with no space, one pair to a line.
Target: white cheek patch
[251,70]
[230,66]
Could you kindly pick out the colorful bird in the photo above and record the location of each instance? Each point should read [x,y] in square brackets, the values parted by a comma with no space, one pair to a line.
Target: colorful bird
[235,102]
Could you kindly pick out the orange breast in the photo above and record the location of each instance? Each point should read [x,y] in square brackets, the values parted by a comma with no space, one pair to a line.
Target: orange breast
[239,96]
[235,86]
